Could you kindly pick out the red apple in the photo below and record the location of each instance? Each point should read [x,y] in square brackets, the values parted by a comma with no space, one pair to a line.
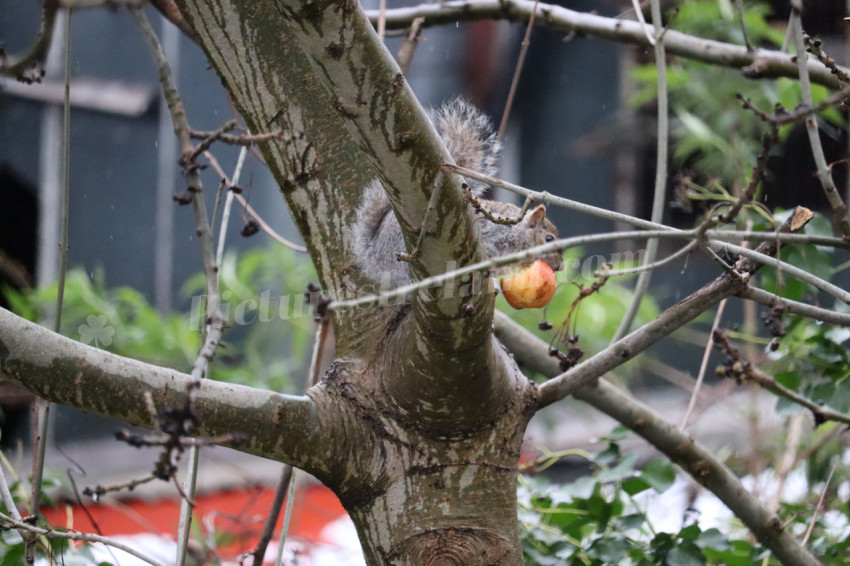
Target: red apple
[530,288]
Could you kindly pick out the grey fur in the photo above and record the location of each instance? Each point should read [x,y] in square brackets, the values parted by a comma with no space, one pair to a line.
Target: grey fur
[470,139]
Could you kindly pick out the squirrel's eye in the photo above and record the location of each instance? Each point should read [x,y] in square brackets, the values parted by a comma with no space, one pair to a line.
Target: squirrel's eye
[549,238]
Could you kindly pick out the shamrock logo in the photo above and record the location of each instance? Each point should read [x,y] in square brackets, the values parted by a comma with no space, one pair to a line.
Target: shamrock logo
[96,330]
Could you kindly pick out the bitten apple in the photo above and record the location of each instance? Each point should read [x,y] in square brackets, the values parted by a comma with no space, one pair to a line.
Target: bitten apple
[530,288]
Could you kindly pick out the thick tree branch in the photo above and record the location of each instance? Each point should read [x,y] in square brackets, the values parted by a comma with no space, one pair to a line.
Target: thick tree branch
[276,426]
[679,447]
[666,323]
[756,63]
[319,73]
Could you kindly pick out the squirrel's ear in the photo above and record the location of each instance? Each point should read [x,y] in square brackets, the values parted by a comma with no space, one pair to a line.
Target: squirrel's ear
[537,215]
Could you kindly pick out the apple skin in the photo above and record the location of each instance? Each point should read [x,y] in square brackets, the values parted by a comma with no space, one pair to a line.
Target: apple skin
[530,288]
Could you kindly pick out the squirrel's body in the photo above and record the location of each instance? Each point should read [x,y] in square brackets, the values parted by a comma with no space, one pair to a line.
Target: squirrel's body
[470,139]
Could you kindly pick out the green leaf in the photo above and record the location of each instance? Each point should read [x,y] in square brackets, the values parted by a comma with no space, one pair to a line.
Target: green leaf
[635,485]
[713,539]
[659,474]
[633,521]
[609,550]
[624,469]
[686,554]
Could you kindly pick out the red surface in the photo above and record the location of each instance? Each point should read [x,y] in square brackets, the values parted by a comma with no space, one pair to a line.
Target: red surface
[239,513]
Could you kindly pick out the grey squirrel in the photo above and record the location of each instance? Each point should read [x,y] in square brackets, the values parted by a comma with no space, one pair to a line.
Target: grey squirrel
[471,141]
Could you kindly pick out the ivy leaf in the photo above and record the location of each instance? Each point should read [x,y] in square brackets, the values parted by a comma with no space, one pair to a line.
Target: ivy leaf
[659,474]
[713,539]
[686,554]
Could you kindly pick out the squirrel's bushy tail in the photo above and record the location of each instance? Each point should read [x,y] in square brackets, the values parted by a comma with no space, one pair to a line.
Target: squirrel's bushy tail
[470,139]
[376,236]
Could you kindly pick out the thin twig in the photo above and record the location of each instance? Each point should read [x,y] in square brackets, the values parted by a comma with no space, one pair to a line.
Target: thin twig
[789,269]
[836,98]
[662,326]
[228,204]
[6,497]
[642,21]
[382,19]
[259,553]
[42,407]
[250,210]
[824,173]
[793,435]
[241,139]
[547,198]
[794,307]
[597,212]
[816,49]
[214,318]
[29,67]
[563,244]
[658,200]
[526,41]
[407,49]
[313,379]
[819,506]
[722,235]
[760,63]
[744,371]
[688,248]
[287,516]
[703,365]
[83,537]
[492,263]
[739,7]
[208,141]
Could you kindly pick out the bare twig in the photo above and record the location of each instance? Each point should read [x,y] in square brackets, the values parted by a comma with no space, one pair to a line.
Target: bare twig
[793,435]
[688,248]
[250,210]
[170,11]
[526,41]
[313,379]
[660,190]
[241,139]
[703,365]
[744,371]
[739,7]
[824,173]
[408,46]
[6,497]
[816,49]
[796,272]
[29,67]
[795,307]
[84,537]
[759,63]
[597,212]
[214,319]
[493,263]
[662,326]
[42,407]
[259,553]
[642,21]
[819,506]
[382,18]
[225,215]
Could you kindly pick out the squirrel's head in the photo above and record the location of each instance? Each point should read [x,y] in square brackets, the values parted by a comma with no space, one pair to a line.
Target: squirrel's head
[544,232]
